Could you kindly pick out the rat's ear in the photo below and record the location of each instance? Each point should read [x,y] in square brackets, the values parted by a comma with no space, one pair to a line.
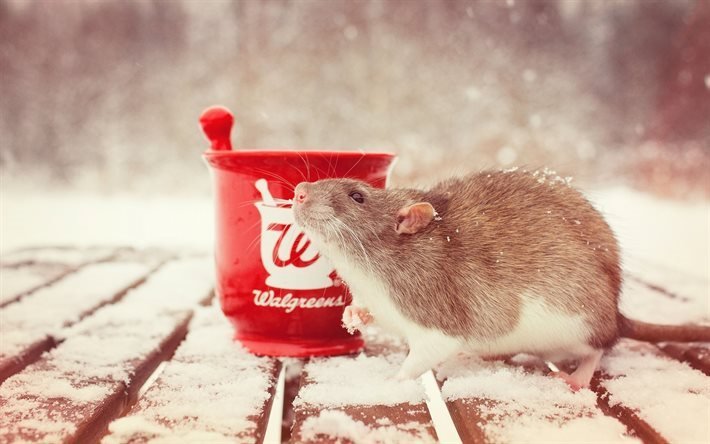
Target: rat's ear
[414,217]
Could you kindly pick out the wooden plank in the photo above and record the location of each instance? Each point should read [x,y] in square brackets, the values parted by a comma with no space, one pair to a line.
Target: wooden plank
[68,396]
[76,389]
[358,399]
[495,401]
[32,325]
[29,275]
[651,304]
[696,355]
[66,255]
[675,284]
[212,390]
[662,399]
[17,282]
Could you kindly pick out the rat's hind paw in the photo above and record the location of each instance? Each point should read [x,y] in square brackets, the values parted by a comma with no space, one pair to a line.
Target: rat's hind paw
[569,379]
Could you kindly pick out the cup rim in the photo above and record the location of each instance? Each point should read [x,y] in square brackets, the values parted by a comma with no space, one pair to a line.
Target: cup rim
[274,152]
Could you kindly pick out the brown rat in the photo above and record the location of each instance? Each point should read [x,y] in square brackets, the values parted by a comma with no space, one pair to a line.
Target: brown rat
[498,262]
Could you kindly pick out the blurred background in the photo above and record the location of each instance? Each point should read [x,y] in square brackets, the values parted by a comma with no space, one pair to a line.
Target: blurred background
[106,93]
[103,96]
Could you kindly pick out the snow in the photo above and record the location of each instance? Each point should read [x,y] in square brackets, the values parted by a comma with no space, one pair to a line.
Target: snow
[293,366]
[526,404]
[16,281]
[85,219]
[666,233]
[665,243]
[678,408]
[337,424]
[211,390]
[49,309]
[57,255]
[101,353]
[363,380]
[53,384]
[643,303]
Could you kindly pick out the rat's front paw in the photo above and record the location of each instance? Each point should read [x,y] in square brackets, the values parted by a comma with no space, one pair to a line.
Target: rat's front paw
[354,318]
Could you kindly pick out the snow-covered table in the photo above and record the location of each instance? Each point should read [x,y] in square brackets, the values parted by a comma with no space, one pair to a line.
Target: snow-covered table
[119,346]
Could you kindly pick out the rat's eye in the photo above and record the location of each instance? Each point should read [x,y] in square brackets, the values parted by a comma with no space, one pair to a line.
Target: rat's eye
[357,197]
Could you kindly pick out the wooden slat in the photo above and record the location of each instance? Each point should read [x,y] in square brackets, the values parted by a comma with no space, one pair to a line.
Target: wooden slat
[69,256]
[33,273]
[212,390]
[73,391]
[69,397]
[651,304]
[495,401]
[696,355]
[17,282]
[358,399]
[30,326]
[675,284]
[662,399]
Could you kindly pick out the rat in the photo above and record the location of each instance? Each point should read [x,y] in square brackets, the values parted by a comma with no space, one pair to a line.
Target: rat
[494,263]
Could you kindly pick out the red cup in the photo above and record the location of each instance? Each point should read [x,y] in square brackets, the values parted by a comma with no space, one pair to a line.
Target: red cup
[276,289]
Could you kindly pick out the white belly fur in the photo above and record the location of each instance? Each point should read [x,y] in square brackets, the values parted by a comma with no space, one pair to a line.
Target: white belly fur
[541,330]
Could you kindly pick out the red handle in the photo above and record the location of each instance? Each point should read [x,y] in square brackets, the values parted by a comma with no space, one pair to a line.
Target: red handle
[216,122]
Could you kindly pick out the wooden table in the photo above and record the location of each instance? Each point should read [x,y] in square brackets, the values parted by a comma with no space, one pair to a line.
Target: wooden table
[118,346]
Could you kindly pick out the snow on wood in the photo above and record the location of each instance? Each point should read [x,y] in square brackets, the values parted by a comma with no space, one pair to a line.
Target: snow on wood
[657,293]
[668,395]
[31,325]
[338,425]
[61,304]
[340,381]
[73,391]
[677,283]
[359,396]
[178,284]
[639,301]
[69,256]
[696,355]
[493,401]
[212,390]
[19,281]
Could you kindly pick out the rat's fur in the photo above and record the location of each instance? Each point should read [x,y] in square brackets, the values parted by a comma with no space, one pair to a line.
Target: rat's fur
[512,262]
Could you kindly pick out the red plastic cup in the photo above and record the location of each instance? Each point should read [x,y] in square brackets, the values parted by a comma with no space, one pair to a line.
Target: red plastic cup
[276,289]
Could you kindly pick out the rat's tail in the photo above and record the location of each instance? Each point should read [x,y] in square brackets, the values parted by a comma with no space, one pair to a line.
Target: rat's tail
[644,331]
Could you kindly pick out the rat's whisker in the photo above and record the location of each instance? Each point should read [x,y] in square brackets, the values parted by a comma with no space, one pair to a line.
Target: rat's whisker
[279,179]
[321,174]
[307,164]
[300,171]
[354,165]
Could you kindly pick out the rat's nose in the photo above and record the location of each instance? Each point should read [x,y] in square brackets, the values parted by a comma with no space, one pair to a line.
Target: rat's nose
[300,193]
